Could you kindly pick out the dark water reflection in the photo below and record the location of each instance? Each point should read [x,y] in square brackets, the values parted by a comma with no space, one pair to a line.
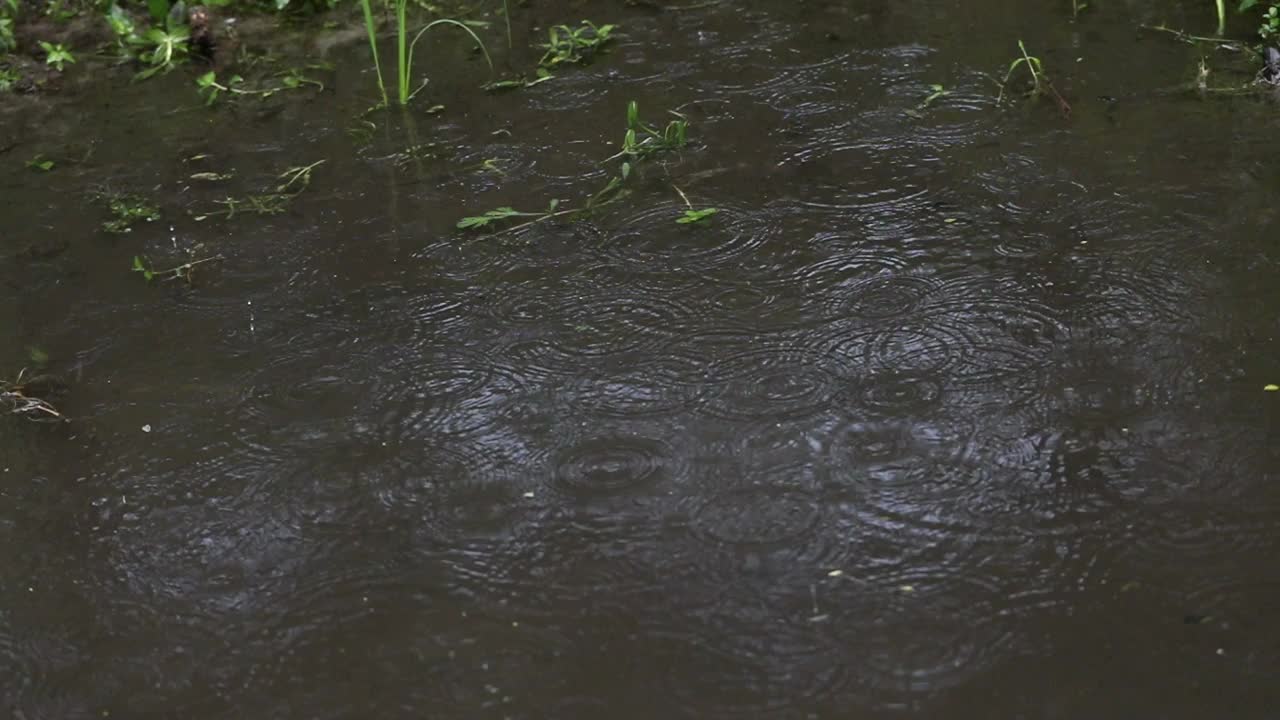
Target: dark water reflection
[949,416]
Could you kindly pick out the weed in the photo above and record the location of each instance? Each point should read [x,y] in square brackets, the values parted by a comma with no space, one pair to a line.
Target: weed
[23,396]
[404,48]
[642,140]
[500,214]
[181,272]
[127,210]
[211,89]
[574,45]
[692,215]
[1040,83]
[935,92]
[8,78]
[40,163]
[1270,25]
[291,183]
[162,49]
[56,55]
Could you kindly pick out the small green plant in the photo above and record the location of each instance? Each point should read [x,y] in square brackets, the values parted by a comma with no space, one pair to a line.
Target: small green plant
[1041,86]
[574,45]
[40,163]
[181,272]
[1269,27]
[935,92]
[127,210]
[56,55]
[1077,7]
[404,48]
[691,215]
[162,49]
[642,140]
[210,89]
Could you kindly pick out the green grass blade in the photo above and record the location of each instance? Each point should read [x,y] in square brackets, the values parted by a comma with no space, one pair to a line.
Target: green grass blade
[408,63]
[373,46]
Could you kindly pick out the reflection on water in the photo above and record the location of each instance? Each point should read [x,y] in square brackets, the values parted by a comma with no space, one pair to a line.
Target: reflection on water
[956,415]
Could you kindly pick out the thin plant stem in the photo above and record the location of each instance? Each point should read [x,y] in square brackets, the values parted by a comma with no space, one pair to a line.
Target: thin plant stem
[1222,17]
[407,61]
[506,13]
[373,45]
[402,59]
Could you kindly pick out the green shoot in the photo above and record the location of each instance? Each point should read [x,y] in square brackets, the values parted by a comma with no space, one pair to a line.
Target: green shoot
[406,60]
[935,92]
[371,28]
[506,14]
[1040,84]
[641,140]
[692,215]
[41,163]
[1222,16]
[56,55]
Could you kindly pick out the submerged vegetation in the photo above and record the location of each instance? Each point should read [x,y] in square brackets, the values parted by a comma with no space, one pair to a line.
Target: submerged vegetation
[640,141]
[28,397]
[126,210]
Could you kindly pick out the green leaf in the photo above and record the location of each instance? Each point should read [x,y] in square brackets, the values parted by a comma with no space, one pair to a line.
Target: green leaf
[1271,388]
[40,163]
[1246,4]
[38,356]
[159,10]
[693,216]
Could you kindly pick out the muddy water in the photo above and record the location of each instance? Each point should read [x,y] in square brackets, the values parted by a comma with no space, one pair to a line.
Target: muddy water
[958,415]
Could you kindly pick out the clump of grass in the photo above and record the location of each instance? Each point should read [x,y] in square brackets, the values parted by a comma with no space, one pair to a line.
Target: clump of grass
[404,48]
[574,45]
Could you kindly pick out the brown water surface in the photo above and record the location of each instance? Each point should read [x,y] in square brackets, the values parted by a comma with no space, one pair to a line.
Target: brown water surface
[951,416]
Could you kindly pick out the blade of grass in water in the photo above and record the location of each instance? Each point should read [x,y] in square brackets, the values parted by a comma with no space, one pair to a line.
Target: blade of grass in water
[407,63]
[373,46]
